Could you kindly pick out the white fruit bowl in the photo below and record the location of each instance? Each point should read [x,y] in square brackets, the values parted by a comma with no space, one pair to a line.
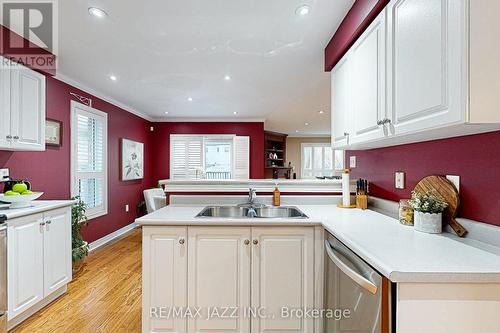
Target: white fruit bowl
[20,201]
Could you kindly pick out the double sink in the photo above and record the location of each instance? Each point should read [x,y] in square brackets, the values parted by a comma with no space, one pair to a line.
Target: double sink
[252,212]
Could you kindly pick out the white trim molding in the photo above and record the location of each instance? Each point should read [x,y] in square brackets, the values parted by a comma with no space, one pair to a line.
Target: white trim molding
[208,120]
[112,236]
[260,185]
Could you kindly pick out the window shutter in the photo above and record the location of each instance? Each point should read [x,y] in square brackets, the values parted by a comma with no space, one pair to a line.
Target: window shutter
[89,158]
[186,153]
[241,146]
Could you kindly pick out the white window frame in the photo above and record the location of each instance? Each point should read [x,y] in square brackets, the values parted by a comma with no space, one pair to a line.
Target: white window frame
[324,145]
[75,106]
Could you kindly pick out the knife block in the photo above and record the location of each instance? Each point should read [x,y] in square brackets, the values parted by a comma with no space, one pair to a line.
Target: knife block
[362,201]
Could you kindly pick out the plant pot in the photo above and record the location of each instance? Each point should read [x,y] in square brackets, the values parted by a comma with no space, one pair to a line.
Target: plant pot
[429,223]
[79,264]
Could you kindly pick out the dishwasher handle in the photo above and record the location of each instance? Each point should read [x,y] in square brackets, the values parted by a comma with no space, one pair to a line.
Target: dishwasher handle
[355,276]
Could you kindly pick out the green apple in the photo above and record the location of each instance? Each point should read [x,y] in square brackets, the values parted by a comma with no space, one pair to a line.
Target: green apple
[27,192]
[10,193]
[20,188]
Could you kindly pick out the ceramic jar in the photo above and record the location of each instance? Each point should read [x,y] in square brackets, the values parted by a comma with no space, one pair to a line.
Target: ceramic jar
[429,223]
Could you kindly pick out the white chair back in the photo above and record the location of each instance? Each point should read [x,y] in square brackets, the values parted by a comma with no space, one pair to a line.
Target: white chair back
[155,199]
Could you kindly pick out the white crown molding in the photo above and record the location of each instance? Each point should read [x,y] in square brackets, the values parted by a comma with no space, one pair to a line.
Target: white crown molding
[64,78]
[304,135]
[208,120]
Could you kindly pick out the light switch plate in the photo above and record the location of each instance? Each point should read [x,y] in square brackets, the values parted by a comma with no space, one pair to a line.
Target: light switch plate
[399,180]
[455,180]
[4,174]
[352,162]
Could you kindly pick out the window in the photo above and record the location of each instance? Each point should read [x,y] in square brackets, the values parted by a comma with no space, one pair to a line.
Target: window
[89,158]
[209,157]
[319,159]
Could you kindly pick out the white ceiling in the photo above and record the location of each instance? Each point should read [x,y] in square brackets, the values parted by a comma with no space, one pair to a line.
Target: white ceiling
[164,51]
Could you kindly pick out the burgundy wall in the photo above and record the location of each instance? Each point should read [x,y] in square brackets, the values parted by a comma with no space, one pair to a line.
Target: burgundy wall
[475,158]
[161,142]
[49,171]
[359,17]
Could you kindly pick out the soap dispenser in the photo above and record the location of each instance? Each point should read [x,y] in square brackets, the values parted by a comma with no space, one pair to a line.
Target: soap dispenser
[276,196]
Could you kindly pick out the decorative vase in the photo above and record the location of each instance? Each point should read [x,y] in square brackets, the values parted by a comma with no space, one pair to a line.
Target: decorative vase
[429,223]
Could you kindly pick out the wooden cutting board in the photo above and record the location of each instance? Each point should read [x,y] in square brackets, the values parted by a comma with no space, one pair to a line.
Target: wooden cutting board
[448,191]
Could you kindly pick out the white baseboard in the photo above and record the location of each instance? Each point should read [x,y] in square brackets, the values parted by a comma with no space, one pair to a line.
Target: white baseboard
[108,238]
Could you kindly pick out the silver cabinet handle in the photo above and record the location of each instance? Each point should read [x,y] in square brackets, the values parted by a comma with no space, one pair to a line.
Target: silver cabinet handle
[355,276]
[182,240]
[346,134]
[255,241]
[246,241]
[8,137]
[16,137]
[42,223]
[380,122]
[48,222]
[386,121]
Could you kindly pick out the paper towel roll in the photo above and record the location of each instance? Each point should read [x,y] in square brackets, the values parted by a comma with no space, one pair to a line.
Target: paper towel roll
[346,190]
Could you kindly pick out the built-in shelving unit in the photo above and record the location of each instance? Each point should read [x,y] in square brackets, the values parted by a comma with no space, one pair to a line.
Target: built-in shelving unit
[275,155]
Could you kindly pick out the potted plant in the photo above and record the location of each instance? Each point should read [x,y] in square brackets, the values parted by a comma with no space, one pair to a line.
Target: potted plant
[428,208]
[80,248]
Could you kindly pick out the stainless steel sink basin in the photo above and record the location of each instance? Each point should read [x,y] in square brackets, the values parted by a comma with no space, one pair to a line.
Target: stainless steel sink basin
[251,212]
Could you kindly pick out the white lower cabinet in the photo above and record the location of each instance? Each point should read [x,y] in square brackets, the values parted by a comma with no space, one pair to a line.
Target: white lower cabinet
[164,278]
[238,277]
[282,278]
[24,264]
[39,258]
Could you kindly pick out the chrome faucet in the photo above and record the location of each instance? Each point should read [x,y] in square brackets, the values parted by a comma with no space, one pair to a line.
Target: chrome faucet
[252,195]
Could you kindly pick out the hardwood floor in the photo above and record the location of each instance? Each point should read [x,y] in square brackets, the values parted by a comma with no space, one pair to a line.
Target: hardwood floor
[105,297]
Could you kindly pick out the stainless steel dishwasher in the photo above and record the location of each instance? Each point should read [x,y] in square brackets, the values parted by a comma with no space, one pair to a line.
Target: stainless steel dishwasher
[3,275]
[357,292]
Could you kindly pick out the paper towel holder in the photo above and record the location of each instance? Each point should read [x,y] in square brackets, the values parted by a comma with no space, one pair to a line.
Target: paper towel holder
[340,204]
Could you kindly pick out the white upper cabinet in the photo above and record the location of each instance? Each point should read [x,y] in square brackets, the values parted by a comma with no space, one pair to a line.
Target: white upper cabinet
[415,76]
[23,108]
[341,103]
[368,83]
[426,57]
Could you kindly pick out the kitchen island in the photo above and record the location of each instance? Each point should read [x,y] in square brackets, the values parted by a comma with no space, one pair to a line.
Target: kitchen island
[434,277]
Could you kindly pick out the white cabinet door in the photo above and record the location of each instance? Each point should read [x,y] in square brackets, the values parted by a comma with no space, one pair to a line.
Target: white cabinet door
[219,277]
[57,250]
[27,109]
[282,277]
[5,132]
[25,262]
[164,279]
[368,83]
[427,71]
[341,103]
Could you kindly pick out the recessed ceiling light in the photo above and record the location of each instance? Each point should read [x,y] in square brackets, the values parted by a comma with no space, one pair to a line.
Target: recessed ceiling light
[296,131]
[303,10]
[227,77]
[235,112]
[166,112]
[321,112]
[190,99]
[97,12]
[113,78]
[307,124]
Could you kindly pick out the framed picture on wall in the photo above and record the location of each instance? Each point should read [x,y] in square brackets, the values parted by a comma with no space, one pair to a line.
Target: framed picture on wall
[53,132]
[132,160]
